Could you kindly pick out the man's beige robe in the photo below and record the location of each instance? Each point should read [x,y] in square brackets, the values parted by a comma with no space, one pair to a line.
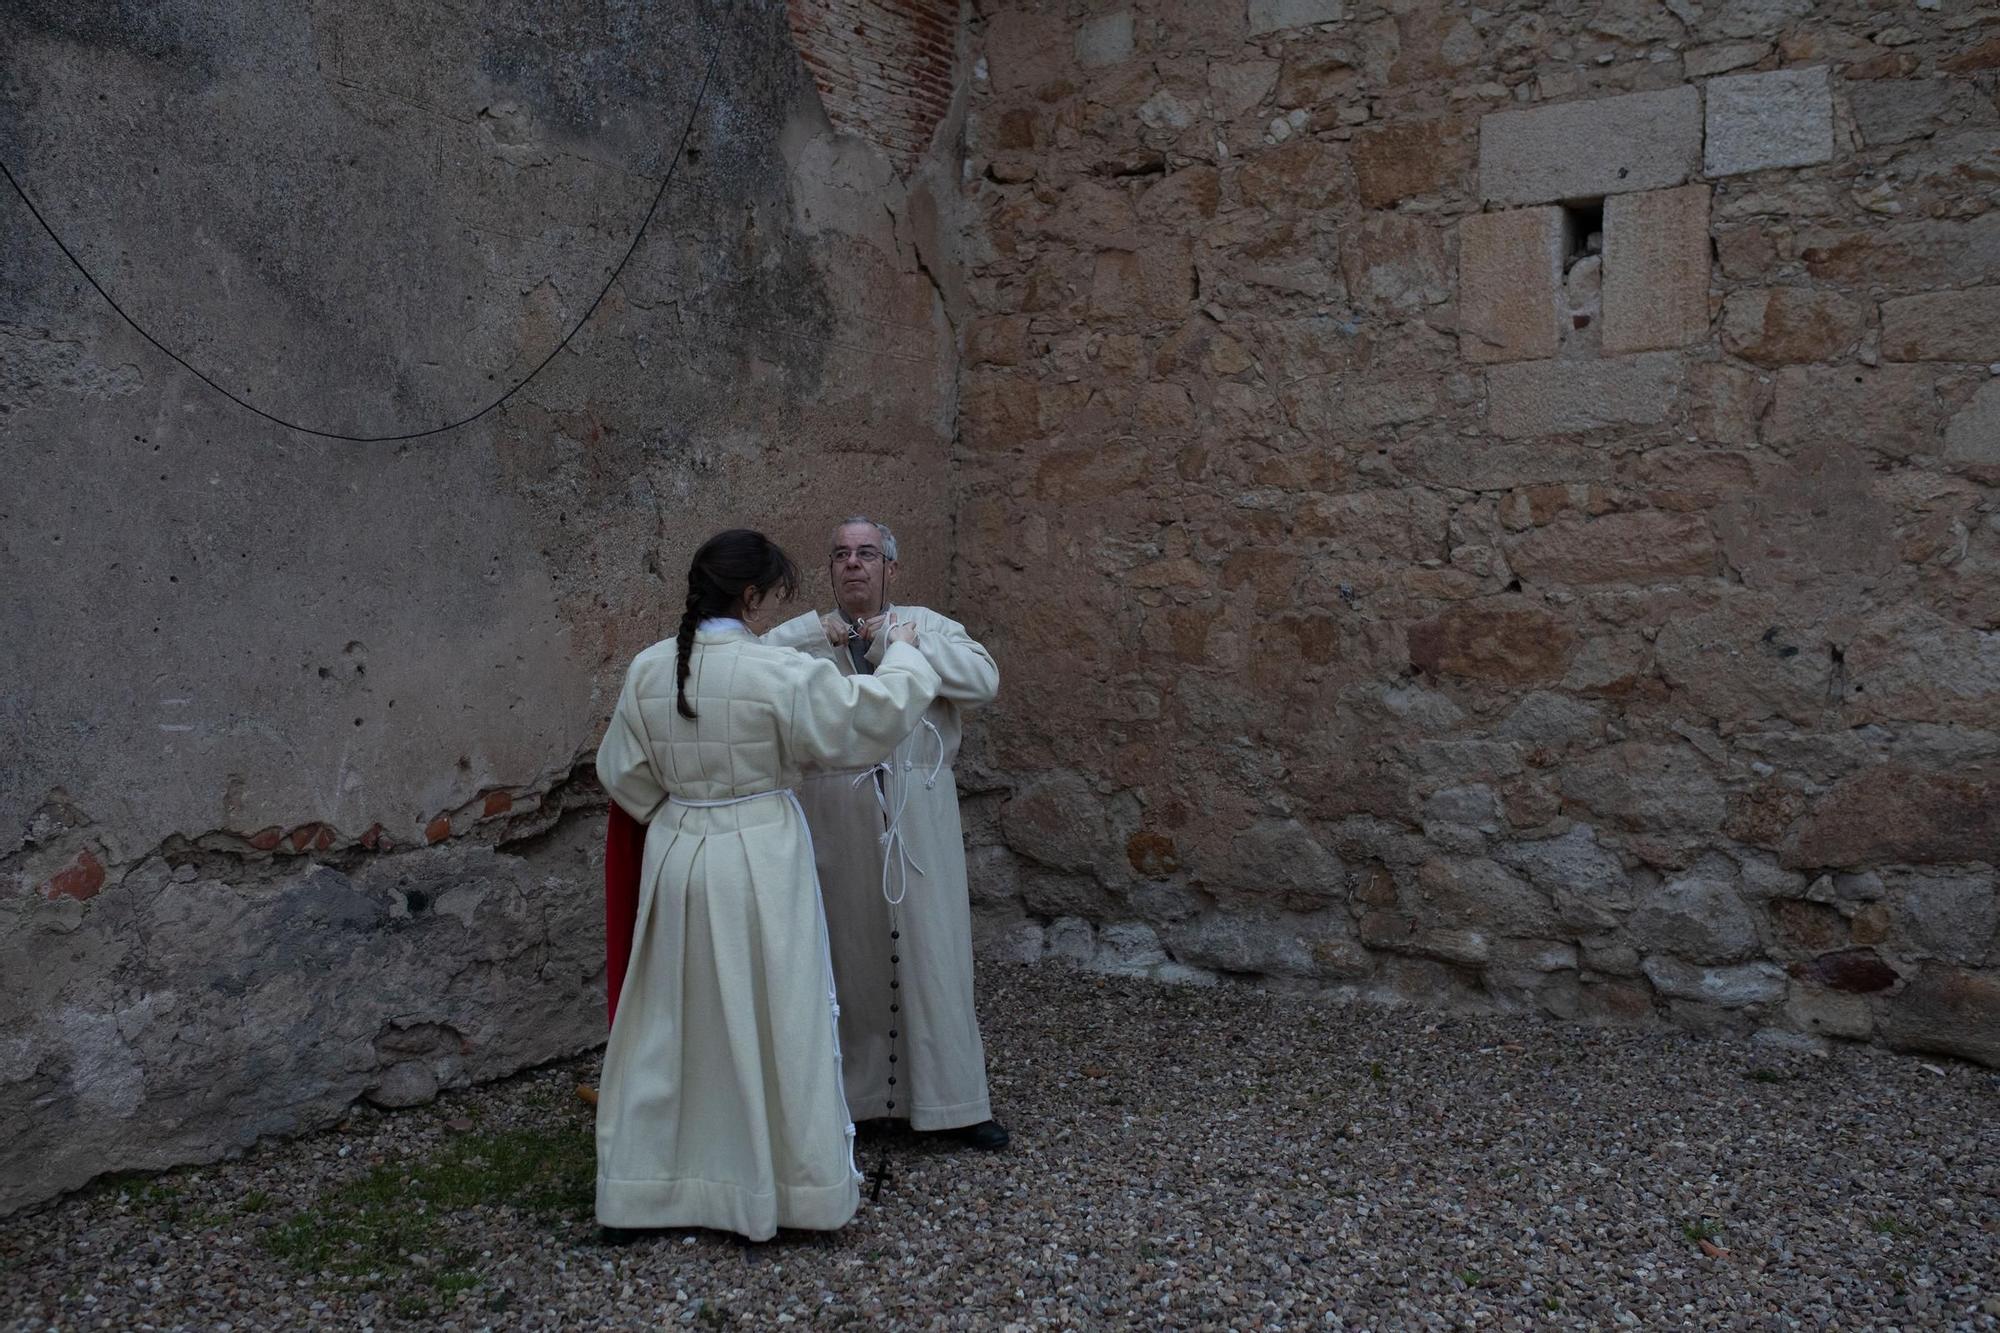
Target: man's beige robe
[721,1104]
[940,1069]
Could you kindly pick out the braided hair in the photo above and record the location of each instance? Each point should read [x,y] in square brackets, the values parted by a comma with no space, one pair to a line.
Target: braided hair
[727,566]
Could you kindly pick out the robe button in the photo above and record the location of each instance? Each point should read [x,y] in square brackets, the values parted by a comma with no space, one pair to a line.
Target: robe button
[894,959]
[892,1037]
[895,985]
[892,1059]
[895,934]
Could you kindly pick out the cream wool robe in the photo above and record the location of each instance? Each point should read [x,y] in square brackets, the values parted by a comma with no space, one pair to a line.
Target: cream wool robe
[720,1104]
[941,1066]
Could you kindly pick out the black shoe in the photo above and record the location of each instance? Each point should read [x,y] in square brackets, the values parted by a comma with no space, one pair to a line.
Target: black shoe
[620,1235]
[986,1136]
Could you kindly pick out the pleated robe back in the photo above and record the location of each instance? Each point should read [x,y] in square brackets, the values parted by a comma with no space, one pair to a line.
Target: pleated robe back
[721,1102]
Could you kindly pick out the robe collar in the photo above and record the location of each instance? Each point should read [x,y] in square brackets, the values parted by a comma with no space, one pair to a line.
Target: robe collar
[721,629]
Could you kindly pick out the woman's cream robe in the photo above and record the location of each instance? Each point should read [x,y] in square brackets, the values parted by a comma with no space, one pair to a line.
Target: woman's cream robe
[721,1103]
[941,1067]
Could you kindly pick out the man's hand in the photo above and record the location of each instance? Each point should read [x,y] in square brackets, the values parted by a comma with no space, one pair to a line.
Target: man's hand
[838,631]
[903,631]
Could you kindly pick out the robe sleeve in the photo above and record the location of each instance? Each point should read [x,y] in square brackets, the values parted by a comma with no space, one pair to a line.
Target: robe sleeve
[625,760]
[967,673]
[801,631]
[840,721]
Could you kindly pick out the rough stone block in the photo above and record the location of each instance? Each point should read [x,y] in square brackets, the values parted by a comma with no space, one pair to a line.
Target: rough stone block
[1237,943]
[1830,1014]
[1643,546]
[1730,987]
[1557,397]
[1396,262]
[1655,269]
[1702,61]
[1943,326]
[1784,326]
[1587,883]
[1510,284]
[1647,788]
[1889,813]
[1405,159]
[1105,40]
[1510,644]
[1157,282]
[1701,920]
[1973,433]
[1276,15]
[1896,110]
[1057,820]
[1780,119]
[1948,1011]
[1586,150]
[1024,50]
[1889,410]
[1930,253]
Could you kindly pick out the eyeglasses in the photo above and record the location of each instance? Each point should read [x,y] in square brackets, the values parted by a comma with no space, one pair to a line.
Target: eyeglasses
[867,555]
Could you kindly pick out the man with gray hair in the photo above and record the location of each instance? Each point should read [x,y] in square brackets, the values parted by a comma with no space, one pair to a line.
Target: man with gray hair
[892,863]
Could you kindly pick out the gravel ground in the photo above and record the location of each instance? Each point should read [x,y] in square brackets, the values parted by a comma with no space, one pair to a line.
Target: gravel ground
[1192,1158]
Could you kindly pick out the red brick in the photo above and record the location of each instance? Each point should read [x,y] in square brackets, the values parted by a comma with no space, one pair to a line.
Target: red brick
[266,840]
[302,836]
[497,803]
[438,829]
[81,879]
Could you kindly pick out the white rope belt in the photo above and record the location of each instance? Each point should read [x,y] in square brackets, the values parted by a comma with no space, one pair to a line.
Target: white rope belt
[896,860]
[825,946]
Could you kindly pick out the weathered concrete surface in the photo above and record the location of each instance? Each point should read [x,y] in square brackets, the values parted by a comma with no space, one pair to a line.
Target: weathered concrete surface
[203,1003]
[223,642]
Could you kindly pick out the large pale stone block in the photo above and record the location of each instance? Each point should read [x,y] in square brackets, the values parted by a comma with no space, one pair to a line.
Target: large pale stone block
[1655,269]
[1510,284]
[1560,397]
[1585,150]
[1780,119]
[1276,15]
[1973,435]
[1105,40]
[1943,326]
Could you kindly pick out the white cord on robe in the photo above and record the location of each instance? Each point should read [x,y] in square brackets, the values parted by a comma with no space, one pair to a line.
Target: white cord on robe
[825,946]
[896,859]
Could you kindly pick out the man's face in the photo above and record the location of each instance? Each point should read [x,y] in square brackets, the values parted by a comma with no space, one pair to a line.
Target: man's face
[861,574]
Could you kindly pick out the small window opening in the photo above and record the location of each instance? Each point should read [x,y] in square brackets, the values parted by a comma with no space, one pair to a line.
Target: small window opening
[1583,231]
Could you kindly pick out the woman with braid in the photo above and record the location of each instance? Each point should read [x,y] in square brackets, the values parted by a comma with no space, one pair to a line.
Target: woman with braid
[721,1102]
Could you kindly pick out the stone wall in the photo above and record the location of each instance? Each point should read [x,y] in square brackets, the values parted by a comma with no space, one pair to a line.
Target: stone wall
[1494,505]
[295,806]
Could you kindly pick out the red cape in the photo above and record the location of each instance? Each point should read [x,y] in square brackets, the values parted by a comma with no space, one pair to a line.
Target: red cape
[624,853]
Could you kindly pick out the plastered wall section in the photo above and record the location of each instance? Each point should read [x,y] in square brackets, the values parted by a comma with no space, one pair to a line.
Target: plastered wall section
[297,805]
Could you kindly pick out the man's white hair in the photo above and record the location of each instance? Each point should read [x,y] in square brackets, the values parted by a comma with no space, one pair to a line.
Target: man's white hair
[888,537]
